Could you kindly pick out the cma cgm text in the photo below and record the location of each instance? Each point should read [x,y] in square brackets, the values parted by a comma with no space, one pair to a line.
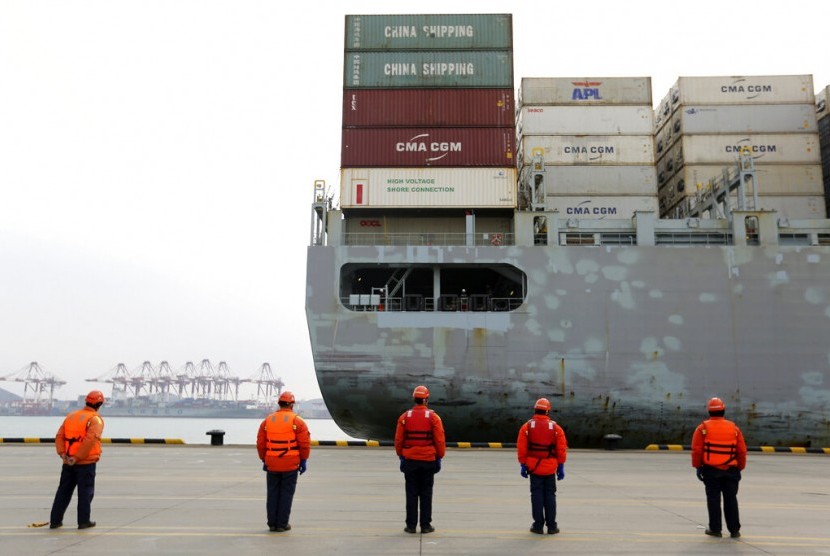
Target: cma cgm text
[589,150]
[746,89]
[591,210]
[752,148]
[434,147]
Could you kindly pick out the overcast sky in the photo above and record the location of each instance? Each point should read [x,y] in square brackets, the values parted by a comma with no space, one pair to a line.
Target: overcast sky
[157,157]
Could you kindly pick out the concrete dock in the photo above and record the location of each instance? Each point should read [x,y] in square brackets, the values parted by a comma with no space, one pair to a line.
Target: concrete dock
[211,500]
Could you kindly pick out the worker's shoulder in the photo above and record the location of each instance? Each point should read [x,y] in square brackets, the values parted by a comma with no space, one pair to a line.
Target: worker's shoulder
[299,421]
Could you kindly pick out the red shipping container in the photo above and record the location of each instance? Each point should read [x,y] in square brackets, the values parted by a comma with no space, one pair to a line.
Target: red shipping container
[428,146]
[428,107]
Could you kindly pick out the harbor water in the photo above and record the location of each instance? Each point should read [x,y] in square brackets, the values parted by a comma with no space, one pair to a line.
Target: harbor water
[190,430]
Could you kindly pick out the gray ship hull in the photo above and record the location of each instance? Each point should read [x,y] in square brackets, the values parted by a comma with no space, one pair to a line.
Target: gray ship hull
[624,340]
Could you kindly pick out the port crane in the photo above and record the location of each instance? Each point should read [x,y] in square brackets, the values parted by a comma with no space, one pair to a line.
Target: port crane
[202,381]
[269,387]
[38,387]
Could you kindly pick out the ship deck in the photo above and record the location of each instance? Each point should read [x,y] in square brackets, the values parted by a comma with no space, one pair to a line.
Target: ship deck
[211,500]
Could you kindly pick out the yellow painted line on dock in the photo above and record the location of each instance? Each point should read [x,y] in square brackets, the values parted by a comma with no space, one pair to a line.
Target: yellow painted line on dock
[762,449]
[30,440]
[674,447]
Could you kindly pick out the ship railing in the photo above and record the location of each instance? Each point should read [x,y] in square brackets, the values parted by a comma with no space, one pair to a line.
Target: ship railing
[803,239]
[446,303]
[495,239]
[693,238]
[588,238]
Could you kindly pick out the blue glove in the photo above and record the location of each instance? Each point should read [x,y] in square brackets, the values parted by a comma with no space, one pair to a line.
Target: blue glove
[264,467]
[560,472]
[438,465]
[403,460]
[699,473]
[523,471]
[302,467]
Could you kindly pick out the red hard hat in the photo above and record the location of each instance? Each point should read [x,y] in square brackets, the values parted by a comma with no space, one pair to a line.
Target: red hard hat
[94,397]
[715,404]
[420,393]
[542,403]
[287,397]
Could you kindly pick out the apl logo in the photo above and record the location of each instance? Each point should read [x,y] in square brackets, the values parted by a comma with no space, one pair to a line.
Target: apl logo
[586,90]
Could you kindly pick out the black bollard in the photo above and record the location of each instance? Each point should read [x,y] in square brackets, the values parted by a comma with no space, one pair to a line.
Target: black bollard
[217,437]
[611,441]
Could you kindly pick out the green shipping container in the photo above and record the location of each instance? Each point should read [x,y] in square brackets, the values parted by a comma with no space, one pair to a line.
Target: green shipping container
[459,68]
[429,32]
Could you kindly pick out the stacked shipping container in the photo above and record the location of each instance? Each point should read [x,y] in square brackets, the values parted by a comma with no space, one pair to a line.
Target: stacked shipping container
[703,123]
[823,117]
[587,145]
[428,112]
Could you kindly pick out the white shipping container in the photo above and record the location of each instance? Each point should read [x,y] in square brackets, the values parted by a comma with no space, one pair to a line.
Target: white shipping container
[771,179]
[821,103]
[582,90]
[745,118]
[668,195]
[428,187]
[669,164]
[792,207]
[585,120]
[792,148]
[598,180]
[600,207]
[608,150]
[795,207]
[746,89]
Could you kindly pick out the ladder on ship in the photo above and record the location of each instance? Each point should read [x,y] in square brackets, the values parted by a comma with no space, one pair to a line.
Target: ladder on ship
[319,213]
[715,196]
[396,281]
[533,184]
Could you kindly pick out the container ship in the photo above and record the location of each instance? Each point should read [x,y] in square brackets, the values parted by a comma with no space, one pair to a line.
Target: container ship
[569,242]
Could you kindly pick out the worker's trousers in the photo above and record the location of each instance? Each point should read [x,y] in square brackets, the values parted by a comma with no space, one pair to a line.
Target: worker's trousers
[83,477]
[720,482]
[420,477]
[543,501]
[281,487]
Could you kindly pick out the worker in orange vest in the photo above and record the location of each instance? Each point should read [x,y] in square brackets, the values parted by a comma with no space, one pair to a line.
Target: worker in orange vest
[78,444]
[719,456]
[420,445]
[283,444]
[542,449]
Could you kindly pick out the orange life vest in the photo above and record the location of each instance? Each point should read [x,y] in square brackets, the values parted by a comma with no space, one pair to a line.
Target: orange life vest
[74,431]
[417,428]
[282,451]
[720,443]
[541,439]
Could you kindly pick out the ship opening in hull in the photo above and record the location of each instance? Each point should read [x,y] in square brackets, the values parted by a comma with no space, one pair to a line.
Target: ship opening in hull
[432,287]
